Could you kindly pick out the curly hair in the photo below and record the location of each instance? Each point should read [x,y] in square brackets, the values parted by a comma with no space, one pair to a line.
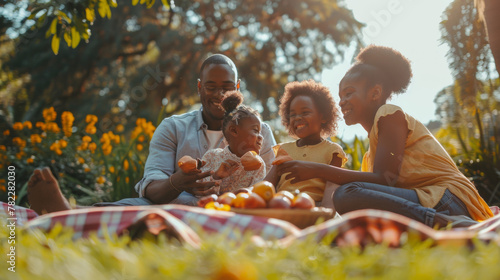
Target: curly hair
[322,99]
[234,110]
[385,66]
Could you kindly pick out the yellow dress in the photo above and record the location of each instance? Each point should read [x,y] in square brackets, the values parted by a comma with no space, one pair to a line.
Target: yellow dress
[427,168]
[320,153]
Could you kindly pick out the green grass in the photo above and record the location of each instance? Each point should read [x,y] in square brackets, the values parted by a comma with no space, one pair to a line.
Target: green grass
[56,256]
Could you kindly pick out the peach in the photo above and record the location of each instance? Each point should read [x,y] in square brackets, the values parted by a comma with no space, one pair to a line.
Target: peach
[254,201]
[281,202]
[303,201]
[250,161]
[226,198]
[287,194]
[206,199]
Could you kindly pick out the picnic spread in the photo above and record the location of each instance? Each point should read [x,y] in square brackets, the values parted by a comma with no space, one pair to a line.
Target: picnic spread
[185,223]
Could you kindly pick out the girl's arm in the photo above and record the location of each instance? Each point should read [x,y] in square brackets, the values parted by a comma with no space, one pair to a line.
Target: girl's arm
[392,135]
[272,176]
[331,187]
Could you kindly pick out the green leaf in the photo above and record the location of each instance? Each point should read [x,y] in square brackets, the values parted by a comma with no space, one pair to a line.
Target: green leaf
[67,38]
[75,37]
[90,14]
[103,8]
[55,44]
[53,26]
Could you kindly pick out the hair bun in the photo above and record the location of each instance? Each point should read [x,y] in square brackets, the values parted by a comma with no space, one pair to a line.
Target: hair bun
[396,67]
[232,100]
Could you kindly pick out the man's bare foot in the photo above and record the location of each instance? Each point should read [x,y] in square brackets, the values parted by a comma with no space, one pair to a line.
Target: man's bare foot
[44,194]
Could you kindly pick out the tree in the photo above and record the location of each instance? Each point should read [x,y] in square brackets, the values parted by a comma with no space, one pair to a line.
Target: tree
[489,11]
[143,57]
[469,108]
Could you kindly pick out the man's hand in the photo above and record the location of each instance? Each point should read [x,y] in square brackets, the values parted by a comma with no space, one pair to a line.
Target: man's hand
[188,182]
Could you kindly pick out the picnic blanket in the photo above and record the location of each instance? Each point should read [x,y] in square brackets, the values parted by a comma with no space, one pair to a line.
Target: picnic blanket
[186,223]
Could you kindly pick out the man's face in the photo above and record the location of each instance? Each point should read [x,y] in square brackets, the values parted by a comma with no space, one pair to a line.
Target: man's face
[215,81]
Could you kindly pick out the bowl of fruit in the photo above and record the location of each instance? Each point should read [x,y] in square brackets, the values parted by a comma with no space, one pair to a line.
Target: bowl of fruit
[261,200]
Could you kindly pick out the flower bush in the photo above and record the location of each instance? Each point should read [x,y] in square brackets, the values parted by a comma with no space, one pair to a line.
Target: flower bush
[90,165]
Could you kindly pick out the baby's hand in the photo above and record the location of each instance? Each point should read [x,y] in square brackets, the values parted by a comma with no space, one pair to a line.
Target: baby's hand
[226,168]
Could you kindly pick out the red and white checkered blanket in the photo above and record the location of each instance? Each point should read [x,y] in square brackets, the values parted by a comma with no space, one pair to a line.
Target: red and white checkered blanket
[186,224]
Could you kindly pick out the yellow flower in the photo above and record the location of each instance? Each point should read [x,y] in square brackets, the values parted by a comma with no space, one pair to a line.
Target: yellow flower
[83,146]
[41,125]
[29,160]
[28,125]
[112,169]
[81,160]
[3,148]
[17,126]
[2,188]
[92,147]
[141,138]
[125,165]
[67,120]
[19,142]
[139,147]
[90,129]
[87,139]
[52,126]
[86,169]
[91,119]
[120,128]
[127,179]
[6,132]
[107,149]
[35,138]
[49,114]
[101,180]
[63,143]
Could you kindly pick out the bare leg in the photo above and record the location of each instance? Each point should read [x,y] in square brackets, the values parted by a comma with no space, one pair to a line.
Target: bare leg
[44,194]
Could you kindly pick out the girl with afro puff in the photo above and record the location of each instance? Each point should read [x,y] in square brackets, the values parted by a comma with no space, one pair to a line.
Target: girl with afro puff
[308,112]
[405,170]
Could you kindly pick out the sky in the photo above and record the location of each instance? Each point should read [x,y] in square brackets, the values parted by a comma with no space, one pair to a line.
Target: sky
[411,27]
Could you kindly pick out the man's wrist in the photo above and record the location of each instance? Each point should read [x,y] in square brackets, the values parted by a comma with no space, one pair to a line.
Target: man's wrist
[172,184]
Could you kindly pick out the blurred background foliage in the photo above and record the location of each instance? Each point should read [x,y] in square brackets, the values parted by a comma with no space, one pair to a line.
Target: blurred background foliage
[127,60]
[469,109]
[141,58]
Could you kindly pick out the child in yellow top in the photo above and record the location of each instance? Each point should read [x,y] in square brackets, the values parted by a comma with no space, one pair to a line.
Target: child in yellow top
[308,112]
[406,170]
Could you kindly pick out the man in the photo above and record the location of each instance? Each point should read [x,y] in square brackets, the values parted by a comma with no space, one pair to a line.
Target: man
[193,134]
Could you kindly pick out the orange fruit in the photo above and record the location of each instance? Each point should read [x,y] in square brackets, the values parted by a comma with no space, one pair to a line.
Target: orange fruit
[240,200]
[264,189]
